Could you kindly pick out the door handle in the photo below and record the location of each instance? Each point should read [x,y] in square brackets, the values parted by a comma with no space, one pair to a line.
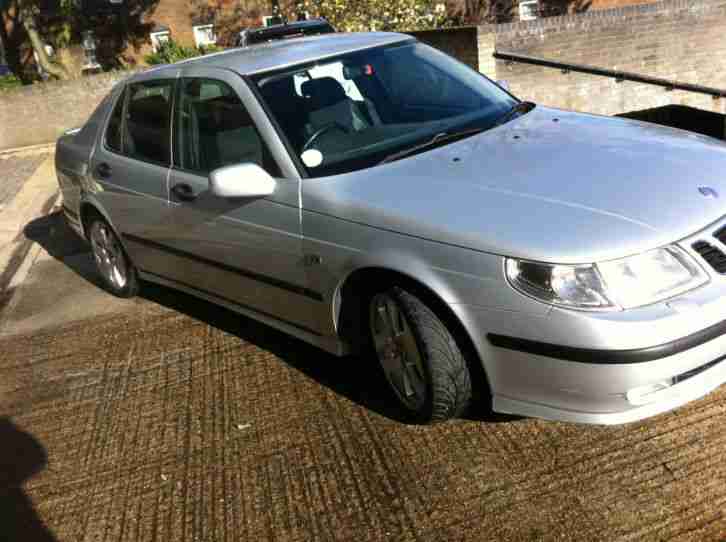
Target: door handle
[103,170]
[184,192]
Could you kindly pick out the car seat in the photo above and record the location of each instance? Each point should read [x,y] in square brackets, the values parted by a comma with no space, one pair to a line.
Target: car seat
[328,104]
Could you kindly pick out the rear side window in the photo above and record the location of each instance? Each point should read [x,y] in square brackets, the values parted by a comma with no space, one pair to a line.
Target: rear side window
[113,132]
[146,134]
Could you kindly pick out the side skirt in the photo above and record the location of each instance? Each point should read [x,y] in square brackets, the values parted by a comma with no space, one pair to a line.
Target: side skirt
[330,344]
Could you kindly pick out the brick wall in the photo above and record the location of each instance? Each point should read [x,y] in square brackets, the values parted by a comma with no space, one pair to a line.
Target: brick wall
[457,42]
[682,40]
[40,113]
[609,4]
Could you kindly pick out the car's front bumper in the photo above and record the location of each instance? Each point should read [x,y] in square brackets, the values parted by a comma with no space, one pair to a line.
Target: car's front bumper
[605,368]
[605,392]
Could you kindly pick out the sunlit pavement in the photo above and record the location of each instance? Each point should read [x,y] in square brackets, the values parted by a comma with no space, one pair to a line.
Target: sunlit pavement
[166,418]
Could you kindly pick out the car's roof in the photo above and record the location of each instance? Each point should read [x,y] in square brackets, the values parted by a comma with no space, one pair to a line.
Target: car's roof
[279,54]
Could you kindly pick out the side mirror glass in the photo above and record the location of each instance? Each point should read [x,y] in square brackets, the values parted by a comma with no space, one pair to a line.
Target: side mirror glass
[241,181]
[504,84]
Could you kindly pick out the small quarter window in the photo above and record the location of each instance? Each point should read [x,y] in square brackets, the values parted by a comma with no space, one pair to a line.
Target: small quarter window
[113,132]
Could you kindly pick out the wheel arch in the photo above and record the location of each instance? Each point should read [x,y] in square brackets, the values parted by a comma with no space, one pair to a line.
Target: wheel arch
[90,207]
[356,287]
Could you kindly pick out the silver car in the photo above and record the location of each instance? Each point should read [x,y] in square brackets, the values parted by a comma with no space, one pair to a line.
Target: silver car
[367,193]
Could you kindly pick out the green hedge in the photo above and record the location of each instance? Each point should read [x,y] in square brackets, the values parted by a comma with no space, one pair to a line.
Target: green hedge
[170,52]
[8,82]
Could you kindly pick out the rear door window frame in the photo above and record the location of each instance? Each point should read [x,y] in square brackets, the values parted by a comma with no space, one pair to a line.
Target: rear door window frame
[124,95]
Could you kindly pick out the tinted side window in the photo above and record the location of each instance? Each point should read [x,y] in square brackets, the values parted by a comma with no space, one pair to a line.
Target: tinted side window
[113,131]
[214,129]
[146,134]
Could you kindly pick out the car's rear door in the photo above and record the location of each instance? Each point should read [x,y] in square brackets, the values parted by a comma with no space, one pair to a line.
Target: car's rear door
[130,167]
[247,250]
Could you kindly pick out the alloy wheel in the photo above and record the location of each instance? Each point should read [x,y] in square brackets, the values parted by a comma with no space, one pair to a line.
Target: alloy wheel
[397,351]
[109,255]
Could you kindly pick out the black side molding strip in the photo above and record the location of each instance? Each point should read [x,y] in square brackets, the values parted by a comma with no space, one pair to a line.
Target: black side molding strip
[232,302]
[294,288]
[586,355]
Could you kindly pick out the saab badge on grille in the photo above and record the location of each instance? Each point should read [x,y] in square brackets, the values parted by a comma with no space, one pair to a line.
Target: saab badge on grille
[708,192]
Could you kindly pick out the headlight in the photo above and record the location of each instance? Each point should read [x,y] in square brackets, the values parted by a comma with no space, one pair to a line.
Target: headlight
[619,284]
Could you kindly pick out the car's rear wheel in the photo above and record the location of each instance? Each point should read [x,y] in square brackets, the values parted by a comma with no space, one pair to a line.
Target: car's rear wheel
[419,356]
[116,270]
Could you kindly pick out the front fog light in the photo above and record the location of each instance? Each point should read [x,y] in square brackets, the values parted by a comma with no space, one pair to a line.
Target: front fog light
[643,395]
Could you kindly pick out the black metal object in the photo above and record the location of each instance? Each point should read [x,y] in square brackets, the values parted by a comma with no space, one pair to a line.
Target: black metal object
[284,31]
[618,75]
[684,117]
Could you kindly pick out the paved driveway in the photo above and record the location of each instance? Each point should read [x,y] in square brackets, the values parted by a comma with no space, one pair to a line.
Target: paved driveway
[166,418]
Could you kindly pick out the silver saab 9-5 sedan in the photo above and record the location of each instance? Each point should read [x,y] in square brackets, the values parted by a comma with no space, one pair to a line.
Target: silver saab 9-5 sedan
[366,190]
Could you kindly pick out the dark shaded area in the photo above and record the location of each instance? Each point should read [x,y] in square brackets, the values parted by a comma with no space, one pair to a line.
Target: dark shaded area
[683,117]
[115,33]
[358,378]
[21,457]
[553,8]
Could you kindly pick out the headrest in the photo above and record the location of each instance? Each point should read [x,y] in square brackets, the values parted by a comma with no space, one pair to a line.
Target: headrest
[323,92]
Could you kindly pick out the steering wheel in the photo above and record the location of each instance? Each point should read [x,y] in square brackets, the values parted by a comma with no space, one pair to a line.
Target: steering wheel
[320,131]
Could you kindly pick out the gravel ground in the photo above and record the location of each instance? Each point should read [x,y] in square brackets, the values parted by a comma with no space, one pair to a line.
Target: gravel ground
[14,171]
[171,419]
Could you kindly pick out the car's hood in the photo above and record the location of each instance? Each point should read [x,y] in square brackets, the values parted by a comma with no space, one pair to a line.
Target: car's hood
[550,186]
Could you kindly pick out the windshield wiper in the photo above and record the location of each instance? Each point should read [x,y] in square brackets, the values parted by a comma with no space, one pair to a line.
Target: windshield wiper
[516,110]
[438,139]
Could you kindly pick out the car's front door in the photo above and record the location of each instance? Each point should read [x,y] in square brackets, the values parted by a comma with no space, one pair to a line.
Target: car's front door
[130,167]
[244,250]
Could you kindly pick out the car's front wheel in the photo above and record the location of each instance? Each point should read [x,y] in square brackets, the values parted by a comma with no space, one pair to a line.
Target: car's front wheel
[420,358]
[116,270]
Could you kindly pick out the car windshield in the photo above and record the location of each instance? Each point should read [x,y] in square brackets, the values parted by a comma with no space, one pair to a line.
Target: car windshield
[359,109]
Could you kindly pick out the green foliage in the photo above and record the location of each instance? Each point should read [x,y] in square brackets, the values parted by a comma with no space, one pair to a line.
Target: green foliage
[209,49]
[8,82]
[366,15]
[170,52]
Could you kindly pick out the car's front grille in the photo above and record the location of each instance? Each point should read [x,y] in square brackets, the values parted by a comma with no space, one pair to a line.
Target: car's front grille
[713,255]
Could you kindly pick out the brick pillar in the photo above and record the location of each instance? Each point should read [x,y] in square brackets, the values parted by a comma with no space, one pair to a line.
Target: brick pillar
[486,42]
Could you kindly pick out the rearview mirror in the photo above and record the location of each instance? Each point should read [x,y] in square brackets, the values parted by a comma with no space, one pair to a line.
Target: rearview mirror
[241,181]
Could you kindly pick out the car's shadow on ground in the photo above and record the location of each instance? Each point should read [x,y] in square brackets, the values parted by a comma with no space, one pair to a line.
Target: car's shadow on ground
[358,378]
[21,456]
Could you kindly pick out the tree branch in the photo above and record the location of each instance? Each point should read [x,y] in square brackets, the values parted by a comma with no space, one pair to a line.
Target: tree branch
[27,17]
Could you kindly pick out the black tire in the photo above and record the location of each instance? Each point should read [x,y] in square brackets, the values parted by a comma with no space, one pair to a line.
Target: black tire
[131,286]
[447,376]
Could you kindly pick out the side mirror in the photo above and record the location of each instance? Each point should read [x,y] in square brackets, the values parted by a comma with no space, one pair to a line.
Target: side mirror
[241,181]
[504,84]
